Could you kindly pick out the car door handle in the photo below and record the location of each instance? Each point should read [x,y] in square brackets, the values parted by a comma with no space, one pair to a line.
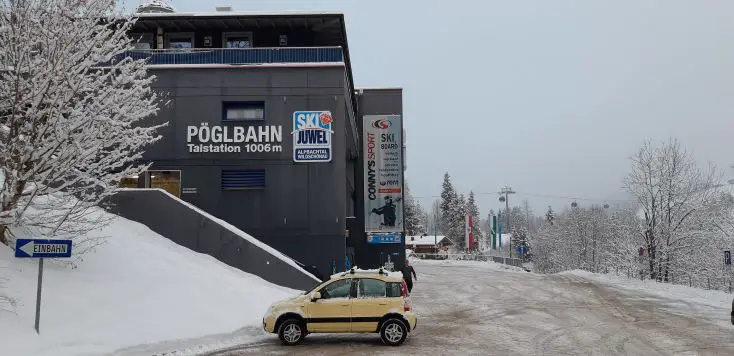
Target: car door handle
[344,305]
[381,303]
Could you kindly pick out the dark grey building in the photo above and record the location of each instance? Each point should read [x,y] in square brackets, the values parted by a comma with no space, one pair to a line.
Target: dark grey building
[374,101]
[263,127]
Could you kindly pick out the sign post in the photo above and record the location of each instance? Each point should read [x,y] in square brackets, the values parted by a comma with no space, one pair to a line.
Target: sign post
[641,262]
[727,263]
[494,232]
[34,248]
[38,295]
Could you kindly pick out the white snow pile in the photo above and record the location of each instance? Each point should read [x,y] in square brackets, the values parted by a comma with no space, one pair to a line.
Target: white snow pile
[489,265]
[137,292]
[708,303]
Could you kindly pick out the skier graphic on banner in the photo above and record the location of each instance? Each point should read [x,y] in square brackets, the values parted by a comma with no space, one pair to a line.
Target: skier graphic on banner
[388,211]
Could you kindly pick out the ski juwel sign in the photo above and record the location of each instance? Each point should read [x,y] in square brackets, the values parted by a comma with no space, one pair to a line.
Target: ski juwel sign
[35,248]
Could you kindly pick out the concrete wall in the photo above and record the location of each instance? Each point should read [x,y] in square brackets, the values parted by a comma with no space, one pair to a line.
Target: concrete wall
[374,102]
[172,219]
[302,209]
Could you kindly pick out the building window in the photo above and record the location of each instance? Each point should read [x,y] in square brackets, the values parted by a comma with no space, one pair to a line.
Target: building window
[237,40]
[243,179]
[129,182]
[169,181]
[142,40]
[243,111]
[179,40]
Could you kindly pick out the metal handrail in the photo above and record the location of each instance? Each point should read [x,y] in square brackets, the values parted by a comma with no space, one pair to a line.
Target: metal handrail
[257,55]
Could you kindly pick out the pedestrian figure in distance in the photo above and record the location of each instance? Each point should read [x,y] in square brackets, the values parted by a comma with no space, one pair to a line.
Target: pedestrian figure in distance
[407,270]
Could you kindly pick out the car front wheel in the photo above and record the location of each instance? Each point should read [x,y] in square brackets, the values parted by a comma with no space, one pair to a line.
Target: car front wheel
[291,332]
[393,332]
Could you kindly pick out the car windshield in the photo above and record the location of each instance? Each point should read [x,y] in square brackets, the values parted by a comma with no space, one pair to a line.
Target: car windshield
[313,288]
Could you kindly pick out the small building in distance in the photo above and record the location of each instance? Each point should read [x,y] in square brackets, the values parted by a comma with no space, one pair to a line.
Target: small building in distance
[427,243]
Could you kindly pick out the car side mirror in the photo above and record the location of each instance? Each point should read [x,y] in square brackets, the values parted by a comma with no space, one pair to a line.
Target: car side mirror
[316,296]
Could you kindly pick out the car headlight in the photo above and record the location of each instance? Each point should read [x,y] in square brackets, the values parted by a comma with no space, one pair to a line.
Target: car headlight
[271,309]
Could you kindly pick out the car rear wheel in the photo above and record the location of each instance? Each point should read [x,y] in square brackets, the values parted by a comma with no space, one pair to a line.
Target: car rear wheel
[291,332]
[393,332]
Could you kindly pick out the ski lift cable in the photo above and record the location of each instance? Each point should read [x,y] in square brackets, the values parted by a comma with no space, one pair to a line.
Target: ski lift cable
[537,195]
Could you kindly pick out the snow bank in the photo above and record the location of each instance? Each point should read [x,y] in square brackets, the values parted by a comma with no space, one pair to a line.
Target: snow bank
[137,288]
[707,303]
[233,229]
[713,298]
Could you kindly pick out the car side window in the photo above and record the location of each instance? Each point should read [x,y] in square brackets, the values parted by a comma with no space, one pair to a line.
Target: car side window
[394,290]
[337,289]
[371,288]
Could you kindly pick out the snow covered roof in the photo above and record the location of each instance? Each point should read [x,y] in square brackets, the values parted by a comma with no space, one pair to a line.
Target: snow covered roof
[377,88]
[238,14]
[423,240]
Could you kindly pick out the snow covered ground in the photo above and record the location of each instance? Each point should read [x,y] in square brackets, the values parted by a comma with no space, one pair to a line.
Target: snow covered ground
[482,308]
[712,304]
[135,295]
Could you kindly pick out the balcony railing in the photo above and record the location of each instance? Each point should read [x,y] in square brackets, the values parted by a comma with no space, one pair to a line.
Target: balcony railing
[197,56]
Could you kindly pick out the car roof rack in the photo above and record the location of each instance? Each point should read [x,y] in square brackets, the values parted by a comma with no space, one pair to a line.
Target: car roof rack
[352,271]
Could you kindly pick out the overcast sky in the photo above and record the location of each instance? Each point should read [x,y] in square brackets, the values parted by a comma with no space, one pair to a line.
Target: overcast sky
[550,97]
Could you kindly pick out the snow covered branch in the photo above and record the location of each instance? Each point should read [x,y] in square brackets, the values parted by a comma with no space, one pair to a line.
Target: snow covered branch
[70,130]
[415,217]
[682,220]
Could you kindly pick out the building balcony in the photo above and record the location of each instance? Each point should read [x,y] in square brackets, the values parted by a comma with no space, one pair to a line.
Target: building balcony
[237,56]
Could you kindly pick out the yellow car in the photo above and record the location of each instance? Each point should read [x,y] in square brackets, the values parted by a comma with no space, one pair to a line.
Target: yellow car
[356,301]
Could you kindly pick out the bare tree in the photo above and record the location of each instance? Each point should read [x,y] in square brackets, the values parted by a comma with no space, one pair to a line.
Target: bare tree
[70,129]
[681,218]
[676,199]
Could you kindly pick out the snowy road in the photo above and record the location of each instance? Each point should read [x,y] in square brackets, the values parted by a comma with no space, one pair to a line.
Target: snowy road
[469,310]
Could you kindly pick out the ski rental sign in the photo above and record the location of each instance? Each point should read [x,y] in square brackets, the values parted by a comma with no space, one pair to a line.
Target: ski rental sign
[383,173]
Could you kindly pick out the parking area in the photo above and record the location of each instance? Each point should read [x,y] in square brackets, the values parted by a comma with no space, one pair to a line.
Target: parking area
[469,310]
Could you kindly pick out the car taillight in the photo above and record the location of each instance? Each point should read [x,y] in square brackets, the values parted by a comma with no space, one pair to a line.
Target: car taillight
[406,301]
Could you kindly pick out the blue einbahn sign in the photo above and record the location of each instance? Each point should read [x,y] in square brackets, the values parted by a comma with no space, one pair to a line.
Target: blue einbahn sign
[35,248]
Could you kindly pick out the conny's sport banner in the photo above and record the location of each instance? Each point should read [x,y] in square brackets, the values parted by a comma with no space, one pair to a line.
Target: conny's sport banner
[383,170]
